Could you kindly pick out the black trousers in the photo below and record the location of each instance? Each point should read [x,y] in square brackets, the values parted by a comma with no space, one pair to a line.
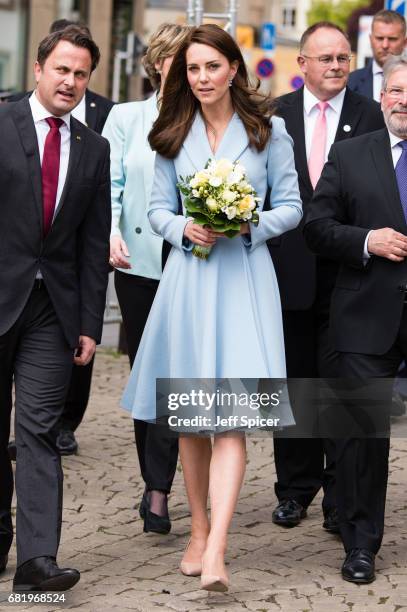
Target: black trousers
[157,449]
[362,463]
[34,352]
[304,461]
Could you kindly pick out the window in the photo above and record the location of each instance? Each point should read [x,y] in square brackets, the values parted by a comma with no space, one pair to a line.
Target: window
[289,17]
[13,14]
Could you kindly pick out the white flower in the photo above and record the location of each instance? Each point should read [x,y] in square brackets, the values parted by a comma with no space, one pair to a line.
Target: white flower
[222,167]
[229,196]
[231,212]
[234,178]
[215,181]
[199,179]
[212,204]
[195,193]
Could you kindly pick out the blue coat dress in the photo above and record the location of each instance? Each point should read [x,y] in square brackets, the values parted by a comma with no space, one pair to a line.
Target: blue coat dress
[219,318]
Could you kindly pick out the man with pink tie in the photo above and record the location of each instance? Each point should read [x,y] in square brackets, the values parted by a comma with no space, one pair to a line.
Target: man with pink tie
[323,111]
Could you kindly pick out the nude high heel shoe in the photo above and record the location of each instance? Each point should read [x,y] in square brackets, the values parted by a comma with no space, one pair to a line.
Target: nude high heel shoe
[190,568]
[214,583]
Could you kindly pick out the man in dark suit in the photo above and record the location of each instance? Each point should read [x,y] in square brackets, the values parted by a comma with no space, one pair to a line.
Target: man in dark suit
[93,111]
[55,206]
[306,282]
[358,217]
[388,37]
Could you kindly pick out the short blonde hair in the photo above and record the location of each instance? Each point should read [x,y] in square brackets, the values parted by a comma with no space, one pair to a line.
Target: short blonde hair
[163,43]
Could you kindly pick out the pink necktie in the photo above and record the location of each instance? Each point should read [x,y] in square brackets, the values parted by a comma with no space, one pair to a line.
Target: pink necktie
[50,170]
[317,155]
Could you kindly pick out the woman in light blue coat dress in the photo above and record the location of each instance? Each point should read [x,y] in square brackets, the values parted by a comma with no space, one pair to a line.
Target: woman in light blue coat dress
[219,318]
[136,254]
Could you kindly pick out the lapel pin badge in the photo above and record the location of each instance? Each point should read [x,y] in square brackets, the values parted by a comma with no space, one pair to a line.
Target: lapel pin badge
[93,104]
[347,128]
[78,138]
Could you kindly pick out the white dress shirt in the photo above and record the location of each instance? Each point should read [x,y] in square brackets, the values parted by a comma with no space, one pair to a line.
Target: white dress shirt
[377,72]
[40,114]
[79,112]
[332,114]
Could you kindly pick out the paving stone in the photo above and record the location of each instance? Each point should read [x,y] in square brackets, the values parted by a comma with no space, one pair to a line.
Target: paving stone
[271,569]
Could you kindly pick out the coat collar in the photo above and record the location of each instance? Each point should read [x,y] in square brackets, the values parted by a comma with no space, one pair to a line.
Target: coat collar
[381,151]
[351,114]
[149,114]
[234,142]
[78,137]
[293,113]
[25,125]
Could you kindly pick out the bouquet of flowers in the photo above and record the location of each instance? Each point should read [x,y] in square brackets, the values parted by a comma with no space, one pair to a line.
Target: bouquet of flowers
[219,196]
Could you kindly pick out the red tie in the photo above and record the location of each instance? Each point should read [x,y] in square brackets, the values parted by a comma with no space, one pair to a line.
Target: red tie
[50,170]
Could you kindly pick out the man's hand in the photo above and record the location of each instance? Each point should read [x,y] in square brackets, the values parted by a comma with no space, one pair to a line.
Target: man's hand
[387,243]
[85,350]
[119,253]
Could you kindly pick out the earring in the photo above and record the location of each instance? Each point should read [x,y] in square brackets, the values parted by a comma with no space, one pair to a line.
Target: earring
[230,82]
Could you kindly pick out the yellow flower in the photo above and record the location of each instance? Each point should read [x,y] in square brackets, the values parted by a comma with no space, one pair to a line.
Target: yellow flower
[246,204]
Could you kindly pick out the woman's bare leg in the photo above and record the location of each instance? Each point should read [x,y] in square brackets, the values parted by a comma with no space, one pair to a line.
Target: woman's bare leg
[195,454]
[226,475]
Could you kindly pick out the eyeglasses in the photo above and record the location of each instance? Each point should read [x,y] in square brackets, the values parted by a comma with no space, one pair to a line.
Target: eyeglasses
[326,60]
[396,92]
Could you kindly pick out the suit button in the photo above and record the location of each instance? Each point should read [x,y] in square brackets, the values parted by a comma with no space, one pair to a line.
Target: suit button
[138,230]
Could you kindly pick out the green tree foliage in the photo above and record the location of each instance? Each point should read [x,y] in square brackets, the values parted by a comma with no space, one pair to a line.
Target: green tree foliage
[331,10]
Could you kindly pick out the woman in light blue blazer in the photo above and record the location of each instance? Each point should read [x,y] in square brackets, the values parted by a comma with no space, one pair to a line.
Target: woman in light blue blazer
[219,318]
[136,253]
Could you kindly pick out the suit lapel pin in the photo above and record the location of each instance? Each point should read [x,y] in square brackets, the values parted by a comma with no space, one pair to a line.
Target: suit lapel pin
[347,128]
[92,104]
[78,138]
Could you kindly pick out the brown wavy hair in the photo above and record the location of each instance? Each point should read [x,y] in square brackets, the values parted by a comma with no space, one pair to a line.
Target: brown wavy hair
[179,105]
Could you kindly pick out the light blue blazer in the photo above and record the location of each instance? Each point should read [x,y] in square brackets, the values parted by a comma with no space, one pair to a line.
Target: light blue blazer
[132,172]
[273,167]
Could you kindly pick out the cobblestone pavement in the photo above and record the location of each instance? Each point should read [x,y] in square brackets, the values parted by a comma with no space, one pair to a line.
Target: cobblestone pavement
[271,569]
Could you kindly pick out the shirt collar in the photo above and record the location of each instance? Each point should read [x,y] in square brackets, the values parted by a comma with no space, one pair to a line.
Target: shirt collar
[40,113]
[376,69]
[79,112]
[310,101]
[394,140]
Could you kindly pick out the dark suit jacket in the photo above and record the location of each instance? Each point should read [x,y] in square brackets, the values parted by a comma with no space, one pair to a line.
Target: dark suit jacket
[97,108]
[73,256]
[358,192]
[297,269]
[361,81]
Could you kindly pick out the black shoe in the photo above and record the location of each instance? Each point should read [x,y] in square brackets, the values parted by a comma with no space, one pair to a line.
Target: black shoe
[398,406]
[359,566]
[12,450]
[153,522]
[3,563]
[43,574]
[288,513]
[331,521]
[66,443]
